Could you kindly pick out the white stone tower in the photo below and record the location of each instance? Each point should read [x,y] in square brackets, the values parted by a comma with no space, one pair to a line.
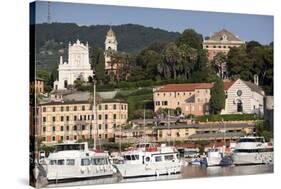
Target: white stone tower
[77,67]
[110,47]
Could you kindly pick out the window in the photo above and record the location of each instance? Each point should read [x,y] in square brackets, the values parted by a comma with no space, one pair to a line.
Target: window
[53,162]
[169,157]
[54,118]
[61,138]
[44,109]
[105,126]
[53,138]
[75,137]
[81,117]
[105,116]
[99,135]
[114,125]
[83,108]
[99,107]
[67,127]
[114,106]
[158,158]
[54,128]
[54,109]
[83,127]
[44,119]
[61,128]
[44,129]
[67,137]
[106,107]
[85,162]
[75,108]
[61,118]
[114,116]
[164,103]
[85,117]
[70,162]
[75,127]
[43,138]
[67,118]
[75,118]
[99,116]
[99,126]
[61,108]
[67,108]
[105,136]
[214,46]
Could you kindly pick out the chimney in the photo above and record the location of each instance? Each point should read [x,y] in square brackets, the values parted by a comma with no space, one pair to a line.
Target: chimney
[256,79]
[61,61]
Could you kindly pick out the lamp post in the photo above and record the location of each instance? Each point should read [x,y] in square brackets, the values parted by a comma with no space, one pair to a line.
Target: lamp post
[94,110]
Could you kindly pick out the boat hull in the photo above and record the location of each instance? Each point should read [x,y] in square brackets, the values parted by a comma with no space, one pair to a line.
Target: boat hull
[252,158]
[142,170]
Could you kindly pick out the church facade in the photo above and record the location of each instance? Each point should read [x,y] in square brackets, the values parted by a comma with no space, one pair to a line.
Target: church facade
[244,97]
[77,67]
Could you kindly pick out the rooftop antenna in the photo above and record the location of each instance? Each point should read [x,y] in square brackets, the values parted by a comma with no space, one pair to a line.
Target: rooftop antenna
[49,12]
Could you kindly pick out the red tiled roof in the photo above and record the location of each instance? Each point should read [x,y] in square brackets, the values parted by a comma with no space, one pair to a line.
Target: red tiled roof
[228,84]
[191,86]
[185,87]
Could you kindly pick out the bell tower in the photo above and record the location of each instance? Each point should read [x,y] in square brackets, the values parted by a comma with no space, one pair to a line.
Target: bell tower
[110,47]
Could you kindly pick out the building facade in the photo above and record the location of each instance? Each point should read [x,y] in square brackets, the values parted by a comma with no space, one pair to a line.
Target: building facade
[75,120]
[221,41]
[37,86]
[77,67]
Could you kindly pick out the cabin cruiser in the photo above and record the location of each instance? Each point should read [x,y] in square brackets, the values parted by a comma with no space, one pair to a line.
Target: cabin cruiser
[214,157]
[252,150]
[72,161]
[151,161]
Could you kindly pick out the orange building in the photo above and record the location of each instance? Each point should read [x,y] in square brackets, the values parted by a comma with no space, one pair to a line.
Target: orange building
[191,98]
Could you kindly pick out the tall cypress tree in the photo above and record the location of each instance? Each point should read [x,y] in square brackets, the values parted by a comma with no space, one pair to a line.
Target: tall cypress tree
[217,100]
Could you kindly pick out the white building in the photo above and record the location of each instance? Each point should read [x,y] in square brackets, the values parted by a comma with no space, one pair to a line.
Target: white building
[244,97]
[77,67]
[110,47]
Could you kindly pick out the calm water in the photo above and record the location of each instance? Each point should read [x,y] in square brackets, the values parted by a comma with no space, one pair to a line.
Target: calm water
[189,171]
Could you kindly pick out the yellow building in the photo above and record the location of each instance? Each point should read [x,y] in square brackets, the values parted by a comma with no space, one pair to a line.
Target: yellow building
[74,120]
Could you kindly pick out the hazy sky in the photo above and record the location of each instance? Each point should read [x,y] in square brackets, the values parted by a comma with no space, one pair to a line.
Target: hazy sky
[247,27]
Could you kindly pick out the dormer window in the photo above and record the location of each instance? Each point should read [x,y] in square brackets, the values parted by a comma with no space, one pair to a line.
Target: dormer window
[223,37]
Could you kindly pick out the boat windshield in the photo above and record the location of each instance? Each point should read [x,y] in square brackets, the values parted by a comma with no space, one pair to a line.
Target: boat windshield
[241,140]
[66,147]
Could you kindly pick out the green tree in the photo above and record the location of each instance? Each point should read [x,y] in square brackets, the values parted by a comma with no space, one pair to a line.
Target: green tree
[219,62]
[191,38]
[217,100]
[98,64]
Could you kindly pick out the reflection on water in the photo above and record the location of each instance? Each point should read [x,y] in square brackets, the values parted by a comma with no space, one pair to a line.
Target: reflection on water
[187,172]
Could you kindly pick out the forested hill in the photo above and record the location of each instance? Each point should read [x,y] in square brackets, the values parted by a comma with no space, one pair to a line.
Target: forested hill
[52,39]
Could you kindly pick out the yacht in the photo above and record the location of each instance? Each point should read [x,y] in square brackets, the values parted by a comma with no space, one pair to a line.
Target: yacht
[252,150]
[72,161]
[151,161]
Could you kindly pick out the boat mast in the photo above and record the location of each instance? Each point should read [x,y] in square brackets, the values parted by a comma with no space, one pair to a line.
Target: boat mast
[94,113]
[144,124]
[169,127]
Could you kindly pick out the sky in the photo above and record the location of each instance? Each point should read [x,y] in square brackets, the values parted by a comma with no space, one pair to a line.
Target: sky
[246,26]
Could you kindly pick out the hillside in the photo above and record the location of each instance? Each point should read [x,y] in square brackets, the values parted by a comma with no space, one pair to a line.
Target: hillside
[52,39]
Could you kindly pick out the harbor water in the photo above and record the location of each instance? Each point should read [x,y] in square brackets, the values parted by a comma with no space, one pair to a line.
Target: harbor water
[190,171]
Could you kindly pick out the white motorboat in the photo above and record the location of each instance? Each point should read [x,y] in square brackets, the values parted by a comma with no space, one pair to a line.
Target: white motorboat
[252,150]
[150,162]
[74,161]
[214,157]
